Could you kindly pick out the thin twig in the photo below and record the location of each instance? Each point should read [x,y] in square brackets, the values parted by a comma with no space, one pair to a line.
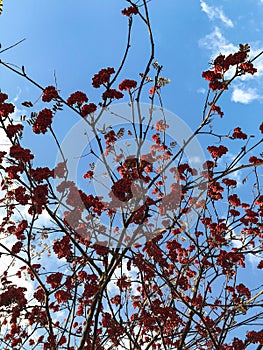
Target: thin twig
[10,47]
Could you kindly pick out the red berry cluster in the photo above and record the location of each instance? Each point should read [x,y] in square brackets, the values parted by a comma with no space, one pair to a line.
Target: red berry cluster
[19,230]
[102,77]
[43,121]
[243,290]
[214,78]
[78,98]
[255,160]
[11,129]
[49,93]
[13,171]
[87,109]
[21,196]
[39,199]
[140,215]
[2,154]
[88,175]
[39,294]
[3,97]
[13,295]
[40,174]
[5,108]
[234,200]
[248,68]
[222,64]
[229,182]
[255,337]
[63,247]
[92,203]
[122,189]
[60,170]
[16,248]
[215,190]
[111,94]
[110,138]
[161,125]
[171,200]
[127,84]
[184,170]
[154,89]
[217,152]
[101,248]
[217,109]
[133,169]
[62,296]
[228,261]
[128,11]
[21,154]
[55,279]
[238,134]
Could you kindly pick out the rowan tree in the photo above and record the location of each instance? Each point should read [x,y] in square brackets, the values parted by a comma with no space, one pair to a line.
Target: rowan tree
[137,237]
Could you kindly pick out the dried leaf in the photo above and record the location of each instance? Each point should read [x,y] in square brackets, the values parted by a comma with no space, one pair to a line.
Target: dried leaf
[27,104]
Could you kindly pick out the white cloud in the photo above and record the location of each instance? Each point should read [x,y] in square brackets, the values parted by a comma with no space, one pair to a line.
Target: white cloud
[216,13]
[4,141]
[237,240]
[12,265]
[254,259]
[217,43]
[245,96]
[201,91]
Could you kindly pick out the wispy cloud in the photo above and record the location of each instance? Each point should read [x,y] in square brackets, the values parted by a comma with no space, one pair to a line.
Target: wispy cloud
[217,43]
[201,91]
[216,13]
[245,95]
[4,141]
[242,91]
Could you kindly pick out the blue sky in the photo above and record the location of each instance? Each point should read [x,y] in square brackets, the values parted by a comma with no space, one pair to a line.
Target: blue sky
[77,39]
